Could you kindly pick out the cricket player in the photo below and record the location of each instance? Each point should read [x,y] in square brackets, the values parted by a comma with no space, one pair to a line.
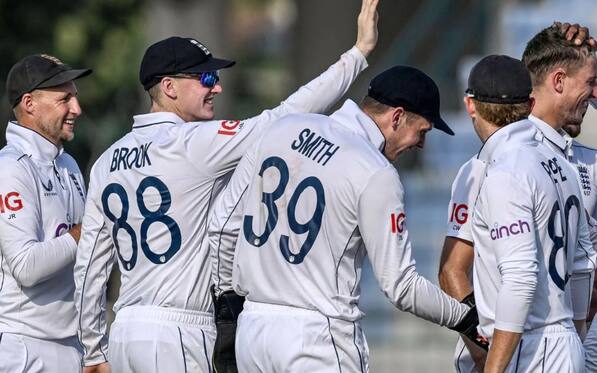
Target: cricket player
[529,270]
[149,198]
[42,197]
[306,205]
[457,254]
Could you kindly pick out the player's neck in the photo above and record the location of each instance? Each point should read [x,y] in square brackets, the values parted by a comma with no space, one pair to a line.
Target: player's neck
[547,110]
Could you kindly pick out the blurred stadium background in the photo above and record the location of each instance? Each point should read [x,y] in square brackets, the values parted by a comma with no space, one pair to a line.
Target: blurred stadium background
[280,44]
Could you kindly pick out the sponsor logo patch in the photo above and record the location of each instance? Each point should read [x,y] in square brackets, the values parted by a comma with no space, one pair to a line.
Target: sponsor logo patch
[508,230]
[229,127]
[459,213]
[62,228]
[397,222]
[11,201]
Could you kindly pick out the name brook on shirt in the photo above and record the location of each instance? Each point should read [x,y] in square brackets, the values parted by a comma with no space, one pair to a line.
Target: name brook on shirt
[312,145]
[125,158]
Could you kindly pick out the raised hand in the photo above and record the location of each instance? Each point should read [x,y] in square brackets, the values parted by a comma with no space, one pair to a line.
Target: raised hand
[579,33]
[367,27]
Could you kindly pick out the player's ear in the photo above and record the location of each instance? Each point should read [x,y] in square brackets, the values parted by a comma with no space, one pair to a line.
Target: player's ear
[556,79]
[469,105]
[532,102]
[168,87]
[26,105]
[397,114]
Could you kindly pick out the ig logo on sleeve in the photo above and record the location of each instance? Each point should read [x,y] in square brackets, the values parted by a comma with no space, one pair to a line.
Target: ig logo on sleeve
[397,222]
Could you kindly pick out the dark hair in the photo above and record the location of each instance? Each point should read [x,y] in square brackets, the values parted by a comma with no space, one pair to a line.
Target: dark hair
[549,49]
[503,114]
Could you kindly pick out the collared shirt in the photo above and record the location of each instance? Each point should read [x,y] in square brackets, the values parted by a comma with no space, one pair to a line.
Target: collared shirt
[305,207]
[150,195]
[521,271]
[555,140]
[42,196]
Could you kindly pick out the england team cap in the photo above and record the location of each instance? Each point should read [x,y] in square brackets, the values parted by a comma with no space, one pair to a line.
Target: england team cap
[499,79]
[38,71]
[176,55]
[411,89]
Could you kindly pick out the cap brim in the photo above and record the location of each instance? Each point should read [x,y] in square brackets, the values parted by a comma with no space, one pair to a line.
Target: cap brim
[441,125]
[212,64]
[64,77]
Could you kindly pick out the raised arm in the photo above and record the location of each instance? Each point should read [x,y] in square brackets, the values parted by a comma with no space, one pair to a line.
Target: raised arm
[229,140]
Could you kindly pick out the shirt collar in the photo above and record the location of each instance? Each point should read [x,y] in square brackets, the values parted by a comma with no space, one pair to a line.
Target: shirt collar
[549,132]
[31,143]
[353,118]
[570,142]
[506,138]
[151,119]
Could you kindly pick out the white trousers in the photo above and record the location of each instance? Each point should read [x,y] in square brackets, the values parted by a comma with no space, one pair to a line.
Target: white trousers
[272,338]
[148,339]
[19,353]
[591,348]
[463,361]
[552,349]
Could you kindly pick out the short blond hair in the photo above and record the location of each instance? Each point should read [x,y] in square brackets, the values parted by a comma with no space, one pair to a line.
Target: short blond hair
[503,114]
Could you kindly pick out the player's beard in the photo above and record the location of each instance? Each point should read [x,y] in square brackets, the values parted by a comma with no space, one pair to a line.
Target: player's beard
[573,118]
[572,129]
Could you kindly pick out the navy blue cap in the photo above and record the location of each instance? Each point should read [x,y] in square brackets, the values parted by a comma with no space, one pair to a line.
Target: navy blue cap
[36,72]
[411,89]
[500,79]
[176,55]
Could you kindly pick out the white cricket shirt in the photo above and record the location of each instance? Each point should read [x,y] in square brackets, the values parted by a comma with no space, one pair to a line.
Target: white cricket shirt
[528,211]
[309,202]
[42,196]
[149,199]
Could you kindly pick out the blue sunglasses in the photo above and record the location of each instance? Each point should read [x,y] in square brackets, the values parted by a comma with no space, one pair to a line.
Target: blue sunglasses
[207,79]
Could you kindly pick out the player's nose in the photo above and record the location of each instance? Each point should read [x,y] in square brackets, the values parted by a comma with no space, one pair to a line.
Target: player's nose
[217,88]
[74,107]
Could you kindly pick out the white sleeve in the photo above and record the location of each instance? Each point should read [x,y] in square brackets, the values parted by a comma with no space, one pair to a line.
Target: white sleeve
[228,141]
[95,257]
[509,199]
[381,220]
[458,224]
[29,256]
[591,348]
[225,222]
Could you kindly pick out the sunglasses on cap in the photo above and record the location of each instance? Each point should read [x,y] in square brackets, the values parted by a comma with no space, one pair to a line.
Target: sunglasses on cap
[207,79]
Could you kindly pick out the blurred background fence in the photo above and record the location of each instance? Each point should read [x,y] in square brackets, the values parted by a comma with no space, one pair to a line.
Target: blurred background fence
[280,44]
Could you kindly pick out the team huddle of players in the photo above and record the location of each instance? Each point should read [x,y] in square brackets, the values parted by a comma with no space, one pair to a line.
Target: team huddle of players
[240,243]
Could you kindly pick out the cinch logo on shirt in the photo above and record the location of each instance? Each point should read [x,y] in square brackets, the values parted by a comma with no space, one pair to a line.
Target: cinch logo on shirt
[507,230]
[459,213]
[62,228]
[229,127]
[397,222]
[10,201]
